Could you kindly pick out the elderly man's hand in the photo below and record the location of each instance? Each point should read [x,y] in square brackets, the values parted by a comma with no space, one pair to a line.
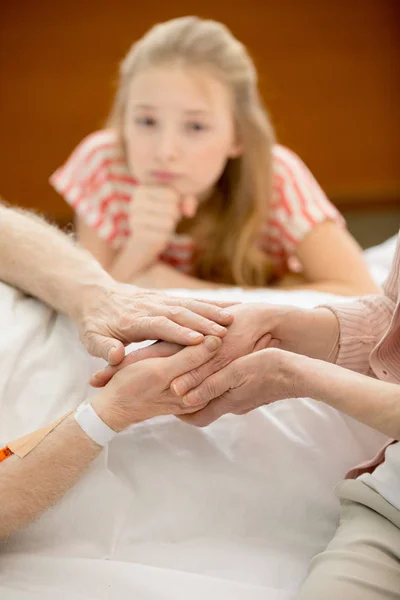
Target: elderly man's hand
[119,314]
[245,384]
[249,332]
[141,390]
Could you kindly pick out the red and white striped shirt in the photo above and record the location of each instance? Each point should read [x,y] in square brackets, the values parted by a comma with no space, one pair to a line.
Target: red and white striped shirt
[97,183]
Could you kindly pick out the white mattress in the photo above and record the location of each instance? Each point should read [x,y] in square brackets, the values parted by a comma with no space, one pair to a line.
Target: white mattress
[235,510]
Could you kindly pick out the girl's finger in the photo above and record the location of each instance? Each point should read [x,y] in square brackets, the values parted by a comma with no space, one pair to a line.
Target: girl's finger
[189,206]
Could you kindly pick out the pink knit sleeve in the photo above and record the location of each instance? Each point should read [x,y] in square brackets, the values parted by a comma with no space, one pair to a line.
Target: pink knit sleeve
[363,322]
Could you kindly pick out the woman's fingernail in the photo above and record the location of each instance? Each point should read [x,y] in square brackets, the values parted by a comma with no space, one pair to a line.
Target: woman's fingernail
[179,388]
[191,399]
[195,336]
[187,401]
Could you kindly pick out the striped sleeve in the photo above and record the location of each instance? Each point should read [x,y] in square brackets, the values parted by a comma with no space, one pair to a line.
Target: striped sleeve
[96,182]
[364,322]
[298,204]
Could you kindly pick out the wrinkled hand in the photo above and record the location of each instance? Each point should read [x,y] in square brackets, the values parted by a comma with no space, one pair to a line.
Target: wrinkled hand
[245,384]
[258,326]
[119,314]
[249,332]
[141,390]
[154,350]
[244,336]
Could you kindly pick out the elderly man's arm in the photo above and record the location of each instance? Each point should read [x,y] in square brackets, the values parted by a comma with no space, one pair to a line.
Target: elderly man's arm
[43,262]
[30,485]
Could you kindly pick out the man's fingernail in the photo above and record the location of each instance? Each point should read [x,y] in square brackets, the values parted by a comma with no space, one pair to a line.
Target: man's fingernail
[218,329]
[111,350]
[194,335]
[212,343]
[224,314]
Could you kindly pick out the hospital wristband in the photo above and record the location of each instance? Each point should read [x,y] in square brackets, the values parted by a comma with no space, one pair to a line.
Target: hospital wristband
[90,422]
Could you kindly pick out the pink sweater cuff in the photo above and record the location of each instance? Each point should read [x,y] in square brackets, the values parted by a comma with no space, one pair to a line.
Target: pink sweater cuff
[362,325]
[355,345]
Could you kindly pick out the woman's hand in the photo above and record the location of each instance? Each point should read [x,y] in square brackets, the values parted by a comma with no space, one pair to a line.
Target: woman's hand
[312,332]
[245,384]
[141,391]
[250,331]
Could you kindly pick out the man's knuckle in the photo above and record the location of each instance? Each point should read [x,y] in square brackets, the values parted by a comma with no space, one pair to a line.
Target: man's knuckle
[194,378]
[192,359]
[209,390]
[236,373]
[159,322]
[176,311]
[191,305]
[127,319]
[87,337]
[219,361]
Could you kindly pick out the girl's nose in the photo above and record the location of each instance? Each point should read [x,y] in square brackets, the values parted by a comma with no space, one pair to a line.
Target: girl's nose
[167,146]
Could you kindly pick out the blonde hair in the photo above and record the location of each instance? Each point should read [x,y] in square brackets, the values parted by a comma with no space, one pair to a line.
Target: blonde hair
[228,224]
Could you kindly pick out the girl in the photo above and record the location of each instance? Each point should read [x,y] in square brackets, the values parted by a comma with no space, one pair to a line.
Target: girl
[187,188]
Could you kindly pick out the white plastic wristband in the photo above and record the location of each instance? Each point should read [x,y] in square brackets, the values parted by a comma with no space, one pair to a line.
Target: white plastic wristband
[90,422]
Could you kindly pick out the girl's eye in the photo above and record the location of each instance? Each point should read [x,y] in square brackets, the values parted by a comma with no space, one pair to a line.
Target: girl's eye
[145,122]
[195,126]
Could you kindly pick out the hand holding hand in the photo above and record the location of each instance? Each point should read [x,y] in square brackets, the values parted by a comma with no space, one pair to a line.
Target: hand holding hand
[141,391]
[245,384]
[312,332]
[249,332]
[118,314]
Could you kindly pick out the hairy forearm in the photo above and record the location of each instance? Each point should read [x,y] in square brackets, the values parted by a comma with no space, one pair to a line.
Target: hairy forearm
[368,400]
[42,261]
[30,485]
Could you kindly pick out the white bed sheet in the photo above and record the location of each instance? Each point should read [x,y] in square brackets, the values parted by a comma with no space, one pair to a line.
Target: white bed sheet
[379,258]
[171,512]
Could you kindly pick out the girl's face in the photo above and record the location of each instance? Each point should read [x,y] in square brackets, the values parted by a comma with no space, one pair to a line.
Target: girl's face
[179,128]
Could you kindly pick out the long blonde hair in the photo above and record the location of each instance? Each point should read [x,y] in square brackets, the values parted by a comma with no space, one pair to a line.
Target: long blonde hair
[228,224]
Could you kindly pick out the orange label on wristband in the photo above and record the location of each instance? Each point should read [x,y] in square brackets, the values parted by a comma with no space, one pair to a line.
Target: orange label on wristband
[5,453]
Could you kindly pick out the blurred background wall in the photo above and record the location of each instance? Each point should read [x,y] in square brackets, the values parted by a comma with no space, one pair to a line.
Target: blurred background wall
[329,74]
